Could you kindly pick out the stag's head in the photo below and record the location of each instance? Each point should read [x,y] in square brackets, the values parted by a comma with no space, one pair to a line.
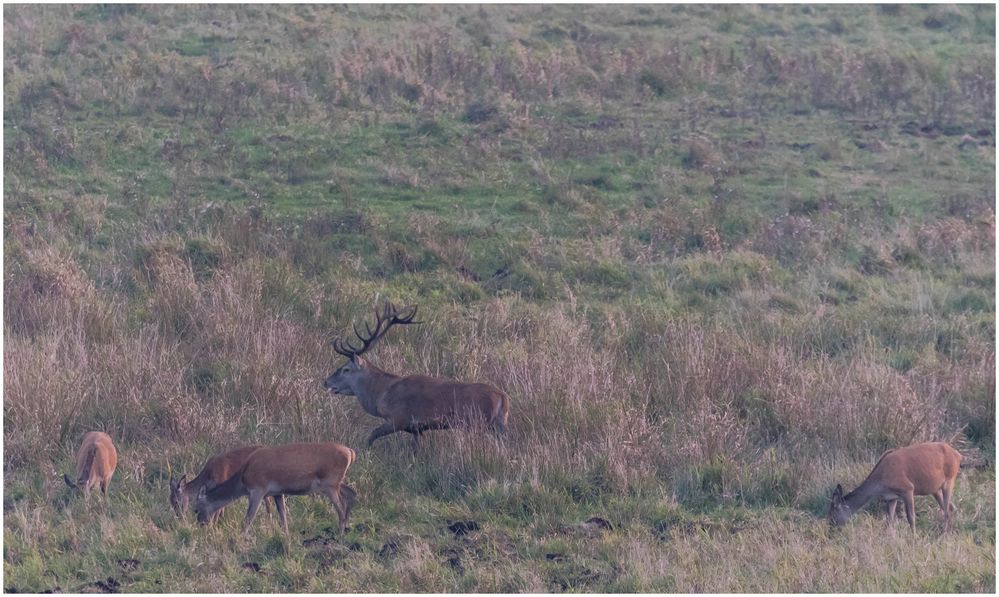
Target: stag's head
[345,379]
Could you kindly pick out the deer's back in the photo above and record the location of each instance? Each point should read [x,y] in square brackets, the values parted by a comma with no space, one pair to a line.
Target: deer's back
[105,457]
[430,399]
[925,466]
[221,467]
[297,466]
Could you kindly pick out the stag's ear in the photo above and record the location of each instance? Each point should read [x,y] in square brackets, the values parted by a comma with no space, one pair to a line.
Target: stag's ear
[837,493]
[203,492]
[174,484]
[182,482]
[69,482]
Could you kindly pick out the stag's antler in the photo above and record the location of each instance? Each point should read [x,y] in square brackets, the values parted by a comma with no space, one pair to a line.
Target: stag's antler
[388,317]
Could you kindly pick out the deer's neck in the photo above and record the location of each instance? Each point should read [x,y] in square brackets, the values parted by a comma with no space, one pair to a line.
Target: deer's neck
[191,489]
[371,387]
[222,494]
[861,495]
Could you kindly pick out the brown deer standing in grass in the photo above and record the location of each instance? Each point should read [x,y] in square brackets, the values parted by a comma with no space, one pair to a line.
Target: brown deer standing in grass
[95,463]
[292,469]
[217,470]
[412,403]
[901,474]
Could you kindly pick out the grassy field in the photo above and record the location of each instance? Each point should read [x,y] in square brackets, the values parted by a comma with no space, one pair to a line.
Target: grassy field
[720,257]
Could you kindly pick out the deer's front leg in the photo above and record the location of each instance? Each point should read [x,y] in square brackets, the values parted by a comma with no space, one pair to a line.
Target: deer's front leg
[384,429]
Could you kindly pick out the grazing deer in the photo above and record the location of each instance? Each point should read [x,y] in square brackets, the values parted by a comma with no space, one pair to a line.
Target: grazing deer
[292,469]
[95,463]
[216,471]
[412,403]
[900,474]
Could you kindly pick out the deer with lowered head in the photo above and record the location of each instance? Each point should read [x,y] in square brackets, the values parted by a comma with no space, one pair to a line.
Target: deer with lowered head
[95,463]
[411,403]
[291,469]
[217,470]
[901,474]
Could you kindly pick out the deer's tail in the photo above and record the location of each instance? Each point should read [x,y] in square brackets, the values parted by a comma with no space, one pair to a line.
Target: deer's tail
[501,413]
[86,465]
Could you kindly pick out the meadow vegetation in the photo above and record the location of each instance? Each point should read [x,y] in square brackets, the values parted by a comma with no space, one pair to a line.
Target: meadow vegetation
[720,257]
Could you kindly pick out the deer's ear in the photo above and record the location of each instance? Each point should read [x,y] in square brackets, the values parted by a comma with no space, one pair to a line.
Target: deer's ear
[174,484]
[838,492]
[182,482]
[202,492]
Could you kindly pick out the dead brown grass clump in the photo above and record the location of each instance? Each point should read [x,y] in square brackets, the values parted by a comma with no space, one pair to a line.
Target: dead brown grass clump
[949,237]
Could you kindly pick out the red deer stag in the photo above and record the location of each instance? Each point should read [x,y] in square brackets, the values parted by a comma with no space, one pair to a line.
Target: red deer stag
[292,469]
[901,474]
[217,470]
[411,403]
[95,463]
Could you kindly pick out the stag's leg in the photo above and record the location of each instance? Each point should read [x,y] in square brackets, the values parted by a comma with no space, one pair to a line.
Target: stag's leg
[384,429]
[334,496]
[910,509]
[254,498]
[418,429]
[279,503]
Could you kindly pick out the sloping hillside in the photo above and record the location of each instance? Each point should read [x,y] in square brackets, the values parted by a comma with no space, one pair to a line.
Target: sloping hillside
[720,258]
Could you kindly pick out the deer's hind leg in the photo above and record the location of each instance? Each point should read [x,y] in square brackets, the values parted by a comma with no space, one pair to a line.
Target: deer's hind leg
[333,493]
[890,506]
[279,503]
[943,497]
[910,509]
[347,497]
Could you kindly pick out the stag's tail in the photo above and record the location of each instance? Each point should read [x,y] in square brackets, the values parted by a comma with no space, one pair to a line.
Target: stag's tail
[501,413]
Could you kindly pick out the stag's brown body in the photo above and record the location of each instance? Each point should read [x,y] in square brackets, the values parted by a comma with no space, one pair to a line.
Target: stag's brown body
[413,403]
[292,469]
[901,474]
[95,462]
[217,470]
